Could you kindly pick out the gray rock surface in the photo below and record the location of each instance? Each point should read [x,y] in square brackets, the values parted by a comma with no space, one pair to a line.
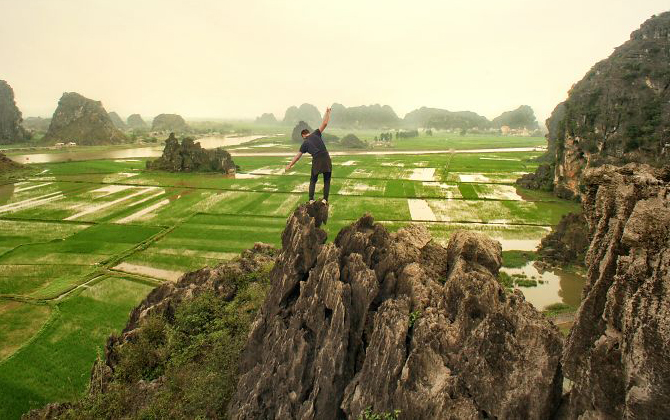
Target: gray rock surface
[189,156]
[618,351]
[394,321]
[83,121]
[11,130]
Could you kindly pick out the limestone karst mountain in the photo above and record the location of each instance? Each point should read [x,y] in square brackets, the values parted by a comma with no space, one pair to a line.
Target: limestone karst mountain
[83,121]
[135,122]
[170,123]
[618,113]
[267,118]
[11,130]
[117,121]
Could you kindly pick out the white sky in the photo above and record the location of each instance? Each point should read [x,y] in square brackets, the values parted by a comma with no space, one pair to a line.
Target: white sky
[232,59]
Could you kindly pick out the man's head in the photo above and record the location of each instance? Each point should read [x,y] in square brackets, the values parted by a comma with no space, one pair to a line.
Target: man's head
[304,133]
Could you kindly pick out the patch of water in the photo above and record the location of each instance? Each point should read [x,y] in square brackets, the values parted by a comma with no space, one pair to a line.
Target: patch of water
[559,286]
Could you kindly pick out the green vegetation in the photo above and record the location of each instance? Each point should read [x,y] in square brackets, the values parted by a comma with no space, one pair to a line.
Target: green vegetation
[368,414]
[517,259]
[55,365]
[558,308]
[196,351]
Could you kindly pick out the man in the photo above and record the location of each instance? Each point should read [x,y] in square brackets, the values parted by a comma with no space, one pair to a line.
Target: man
[321,164]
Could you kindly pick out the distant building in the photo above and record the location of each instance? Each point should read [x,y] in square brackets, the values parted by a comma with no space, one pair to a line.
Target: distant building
[60,144]
[72,143]
[505,130]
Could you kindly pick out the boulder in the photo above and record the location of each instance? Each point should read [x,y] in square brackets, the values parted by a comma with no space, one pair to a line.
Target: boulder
[567,243]
[83,121]
[617,353]
[295,134]
[351,141]
[11,130]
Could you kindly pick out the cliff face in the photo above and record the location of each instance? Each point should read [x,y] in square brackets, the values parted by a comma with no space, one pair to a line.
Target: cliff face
[83,121]
[306,112]
[618,113]
[394,321]
[191,157]
[617,351]
[11,130]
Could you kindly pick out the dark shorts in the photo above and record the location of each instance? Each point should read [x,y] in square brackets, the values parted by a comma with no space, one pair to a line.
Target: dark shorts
[321,163]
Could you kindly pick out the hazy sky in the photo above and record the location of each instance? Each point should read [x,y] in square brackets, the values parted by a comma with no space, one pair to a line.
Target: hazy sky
[230,59]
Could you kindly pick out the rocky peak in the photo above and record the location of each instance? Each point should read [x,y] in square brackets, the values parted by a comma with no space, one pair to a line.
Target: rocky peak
[11,130]
[394,321]
[83,121]
[617,351]
[117,121]
[170,123]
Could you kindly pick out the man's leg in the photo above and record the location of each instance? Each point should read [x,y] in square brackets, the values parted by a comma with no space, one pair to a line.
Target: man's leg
[312,185]
[326,184]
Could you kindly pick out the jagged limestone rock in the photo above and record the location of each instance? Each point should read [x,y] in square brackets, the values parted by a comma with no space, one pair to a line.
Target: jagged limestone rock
[567,243]
[11,130]
[394,321]
[83,121]
[618,351]
[189,156]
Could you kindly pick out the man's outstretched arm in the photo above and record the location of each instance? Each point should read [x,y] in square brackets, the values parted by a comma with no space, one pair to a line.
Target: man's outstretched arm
[295,159]
[326,118]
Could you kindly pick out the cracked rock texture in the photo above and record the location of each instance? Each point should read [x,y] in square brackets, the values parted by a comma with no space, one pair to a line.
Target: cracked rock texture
[617,351]
[394,321]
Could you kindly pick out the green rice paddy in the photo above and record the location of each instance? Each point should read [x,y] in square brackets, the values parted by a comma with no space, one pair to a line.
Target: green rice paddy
[83,242]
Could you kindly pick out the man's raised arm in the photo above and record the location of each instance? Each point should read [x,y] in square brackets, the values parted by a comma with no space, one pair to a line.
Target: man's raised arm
[326,118]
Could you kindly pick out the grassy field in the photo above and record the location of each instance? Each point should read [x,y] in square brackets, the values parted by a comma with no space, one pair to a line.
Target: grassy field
[82,242]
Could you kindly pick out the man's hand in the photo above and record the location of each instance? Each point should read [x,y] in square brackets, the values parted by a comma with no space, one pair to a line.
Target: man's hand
[326,118]
[288,168]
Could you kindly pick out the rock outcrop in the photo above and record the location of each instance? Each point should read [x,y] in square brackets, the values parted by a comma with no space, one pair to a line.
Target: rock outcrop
[542,179]
[617,353]
[170,123]
[351,141]
[135,122]
[189,156]
[618,113]
[117,121]
[364,116]
[394,321]
[567,243]
[83,121]
[11,130]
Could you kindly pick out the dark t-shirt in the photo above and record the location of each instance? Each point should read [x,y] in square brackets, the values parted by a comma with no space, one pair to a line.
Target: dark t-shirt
[313,144]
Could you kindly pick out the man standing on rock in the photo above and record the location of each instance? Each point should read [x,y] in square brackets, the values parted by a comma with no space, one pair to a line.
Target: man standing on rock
[321,164]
